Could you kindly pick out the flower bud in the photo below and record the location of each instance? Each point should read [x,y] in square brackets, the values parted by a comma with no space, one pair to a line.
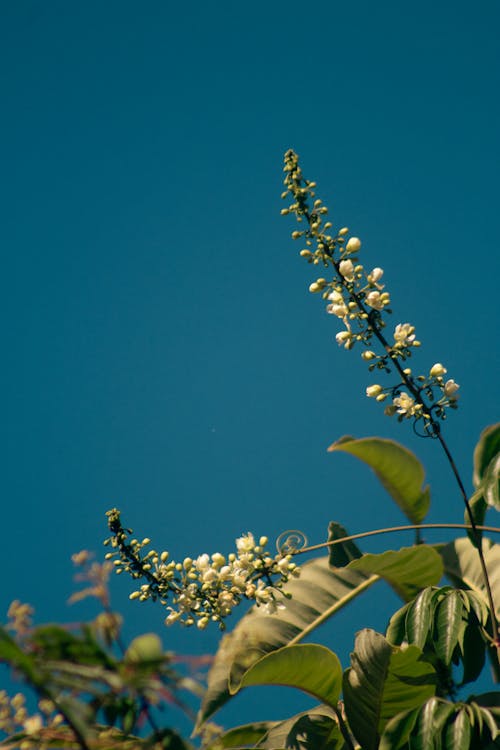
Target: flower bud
[353,245]
[373,391]
[368,355]
[437,370]
[305,253]
[343,231]
[346,269]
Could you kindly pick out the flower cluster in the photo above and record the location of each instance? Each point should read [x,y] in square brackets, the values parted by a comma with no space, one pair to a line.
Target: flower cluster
[358,298]
[15,718]
[208,587]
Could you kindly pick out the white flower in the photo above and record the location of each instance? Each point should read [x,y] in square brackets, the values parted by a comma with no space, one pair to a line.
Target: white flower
[375,275]
[374,299]
[202,562]
[337,306]
[353,245]
[373,391]
[404,335]
[343,338]
[406,405]
[245,543]
[437,370]
[450,388]
[346,269]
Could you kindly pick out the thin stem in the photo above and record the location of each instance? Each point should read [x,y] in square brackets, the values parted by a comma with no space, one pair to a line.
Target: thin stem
[390,530]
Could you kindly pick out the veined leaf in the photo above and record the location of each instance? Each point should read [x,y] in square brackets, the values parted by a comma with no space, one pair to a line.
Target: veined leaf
[448,624]
[461,565]
[485,476]
[382,682]
[314,669]
[316,596]
[419,618]
[397,468]
[408,570]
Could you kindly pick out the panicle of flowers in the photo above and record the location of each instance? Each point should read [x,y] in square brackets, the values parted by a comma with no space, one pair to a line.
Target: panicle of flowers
[358,298]
[206,588]
[15,718]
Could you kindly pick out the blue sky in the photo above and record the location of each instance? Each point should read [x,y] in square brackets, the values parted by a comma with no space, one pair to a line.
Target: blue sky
[161,351]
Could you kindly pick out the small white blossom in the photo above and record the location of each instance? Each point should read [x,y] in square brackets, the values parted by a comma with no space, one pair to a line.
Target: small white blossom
[450,388]
[374,299]
[337,306]
[245,543]
[346,269]
[375,275]
[343,338]
[406,405]
[404,335]
[373,391]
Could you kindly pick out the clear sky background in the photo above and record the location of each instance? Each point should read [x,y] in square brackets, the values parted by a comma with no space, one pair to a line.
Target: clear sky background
[161,352]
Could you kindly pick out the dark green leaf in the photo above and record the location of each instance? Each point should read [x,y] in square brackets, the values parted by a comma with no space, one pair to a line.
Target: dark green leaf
[397,730]
[382,682]
[458,732]
[397,468]
[396,630]
[447,625]
[314,669]
[419,618]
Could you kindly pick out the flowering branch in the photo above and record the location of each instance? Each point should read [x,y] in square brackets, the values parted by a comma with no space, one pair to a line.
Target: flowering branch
[207,588]
[357,298]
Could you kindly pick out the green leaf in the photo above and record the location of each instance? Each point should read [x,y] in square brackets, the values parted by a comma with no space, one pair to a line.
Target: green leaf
[318,594]
[396,630]
[462,567]
[382,682]
[314,669]
[342,553]
[448,624]
[312,730]
[246,735]
[419,618]
[433,716]
[490,483]
[487,448]
[397,468]
[398,730]
[408,570]
[458,732]
[473,652]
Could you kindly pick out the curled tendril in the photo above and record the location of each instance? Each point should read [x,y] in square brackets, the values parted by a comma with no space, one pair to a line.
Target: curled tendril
[290,541]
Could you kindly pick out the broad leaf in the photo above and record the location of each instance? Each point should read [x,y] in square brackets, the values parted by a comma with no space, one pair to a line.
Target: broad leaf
[314,669]
[419,619]
[408,570]
[316,596]
[382,682]
[461,565]
[397,468]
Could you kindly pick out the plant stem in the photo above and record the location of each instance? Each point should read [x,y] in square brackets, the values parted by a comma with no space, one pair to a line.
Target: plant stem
[391,529]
